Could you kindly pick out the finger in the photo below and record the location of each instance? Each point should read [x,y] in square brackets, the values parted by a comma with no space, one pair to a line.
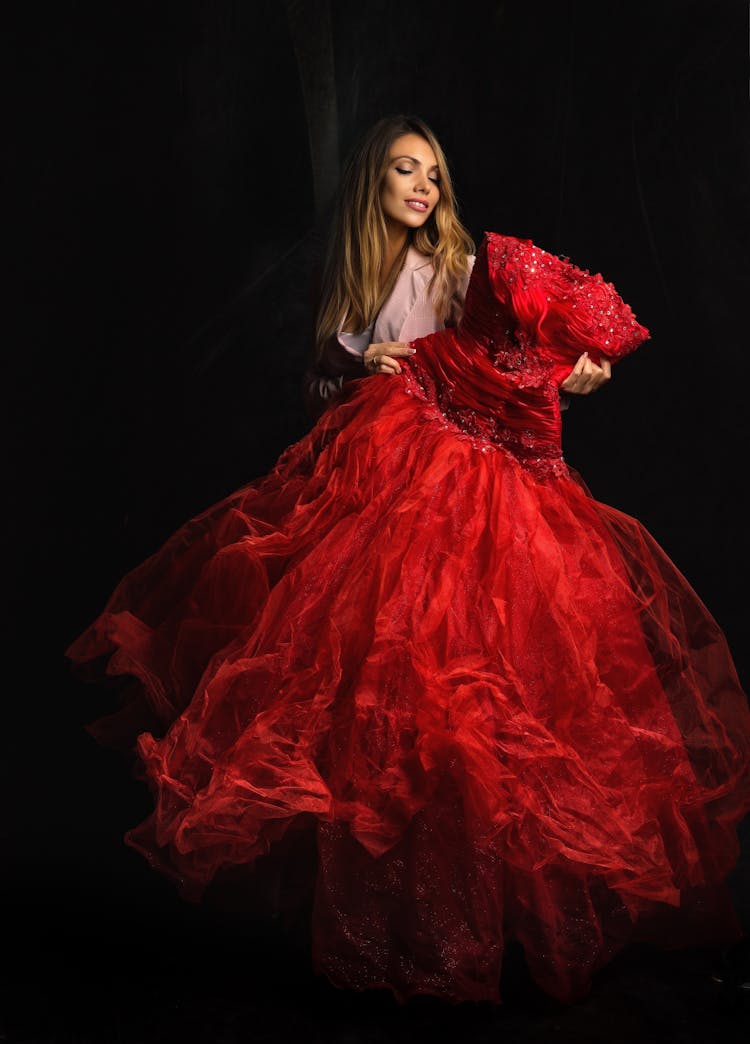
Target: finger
[574,381]
[589,378]
[384,364]
[597,380]
[601,374]
[394,349]
[571,382]
[580,384]
[387,350]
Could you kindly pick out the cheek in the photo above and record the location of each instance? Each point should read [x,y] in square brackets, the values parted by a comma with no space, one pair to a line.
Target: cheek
[388,195]
[389,189]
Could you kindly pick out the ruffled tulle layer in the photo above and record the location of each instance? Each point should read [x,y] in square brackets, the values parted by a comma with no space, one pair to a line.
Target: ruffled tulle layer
[494,704]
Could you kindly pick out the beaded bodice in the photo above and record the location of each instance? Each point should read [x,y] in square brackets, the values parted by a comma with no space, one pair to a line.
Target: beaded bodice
[528,316]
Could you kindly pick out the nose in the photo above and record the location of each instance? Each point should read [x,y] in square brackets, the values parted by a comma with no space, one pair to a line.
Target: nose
[422,183]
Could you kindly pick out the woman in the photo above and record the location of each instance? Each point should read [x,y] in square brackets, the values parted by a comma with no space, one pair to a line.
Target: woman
[418,660]
[398,264]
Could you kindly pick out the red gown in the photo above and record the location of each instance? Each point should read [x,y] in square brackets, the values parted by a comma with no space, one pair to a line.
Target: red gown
[492,703]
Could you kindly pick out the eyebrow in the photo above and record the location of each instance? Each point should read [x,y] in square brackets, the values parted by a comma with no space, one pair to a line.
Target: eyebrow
[413,160]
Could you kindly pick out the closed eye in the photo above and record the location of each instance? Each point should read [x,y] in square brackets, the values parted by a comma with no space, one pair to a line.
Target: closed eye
[403,170]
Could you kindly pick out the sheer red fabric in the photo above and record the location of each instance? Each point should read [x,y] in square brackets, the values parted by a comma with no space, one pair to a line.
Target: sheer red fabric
[495,704]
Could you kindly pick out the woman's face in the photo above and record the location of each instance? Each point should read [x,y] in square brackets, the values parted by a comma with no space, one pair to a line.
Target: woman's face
[410,188]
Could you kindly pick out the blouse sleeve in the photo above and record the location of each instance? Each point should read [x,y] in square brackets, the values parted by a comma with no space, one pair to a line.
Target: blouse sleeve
[558,309]
[341,360]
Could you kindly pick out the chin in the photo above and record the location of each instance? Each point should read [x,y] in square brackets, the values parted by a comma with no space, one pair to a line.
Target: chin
[417,220]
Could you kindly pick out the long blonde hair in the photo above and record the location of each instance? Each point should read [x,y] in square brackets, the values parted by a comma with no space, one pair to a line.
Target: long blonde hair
[350,289]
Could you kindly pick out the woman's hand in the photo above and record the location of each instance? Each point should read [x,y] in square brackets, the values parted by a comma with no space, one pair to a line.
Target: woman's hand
[383,358]
[586,376]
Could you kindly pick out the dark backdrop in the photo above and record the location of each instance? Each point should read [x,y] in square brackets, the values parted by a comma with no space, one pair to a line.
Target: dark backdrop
[174,163]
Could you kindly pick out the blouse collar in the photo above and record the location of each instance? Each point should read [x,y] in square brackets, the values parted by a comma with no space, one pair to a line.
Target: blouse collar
[415,260]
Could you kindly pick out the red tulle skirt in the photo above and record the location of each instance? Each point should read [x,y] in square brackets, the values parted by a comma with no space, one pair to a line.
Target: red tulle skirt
[492,705]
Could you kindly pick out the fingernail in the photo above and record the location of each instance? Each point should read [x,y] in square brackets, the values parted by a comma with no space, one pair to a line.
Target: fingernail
[412,351]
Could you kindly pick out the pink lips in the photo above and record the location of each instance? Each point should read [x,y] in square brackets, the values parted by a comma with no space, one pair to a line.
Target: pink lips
[420,205]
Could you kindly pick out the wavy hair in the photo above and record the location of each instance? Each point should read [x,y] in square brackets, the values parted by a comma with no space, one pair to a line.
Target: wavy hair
[350,291]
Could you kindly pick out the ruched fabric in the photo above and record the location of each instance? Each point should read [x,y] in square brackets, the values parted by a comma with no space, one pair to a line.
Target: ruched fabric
[493,704]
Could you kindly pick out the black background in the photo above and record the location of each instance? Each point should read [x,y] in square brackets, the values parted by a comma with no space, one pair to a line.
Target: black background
[164,234]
